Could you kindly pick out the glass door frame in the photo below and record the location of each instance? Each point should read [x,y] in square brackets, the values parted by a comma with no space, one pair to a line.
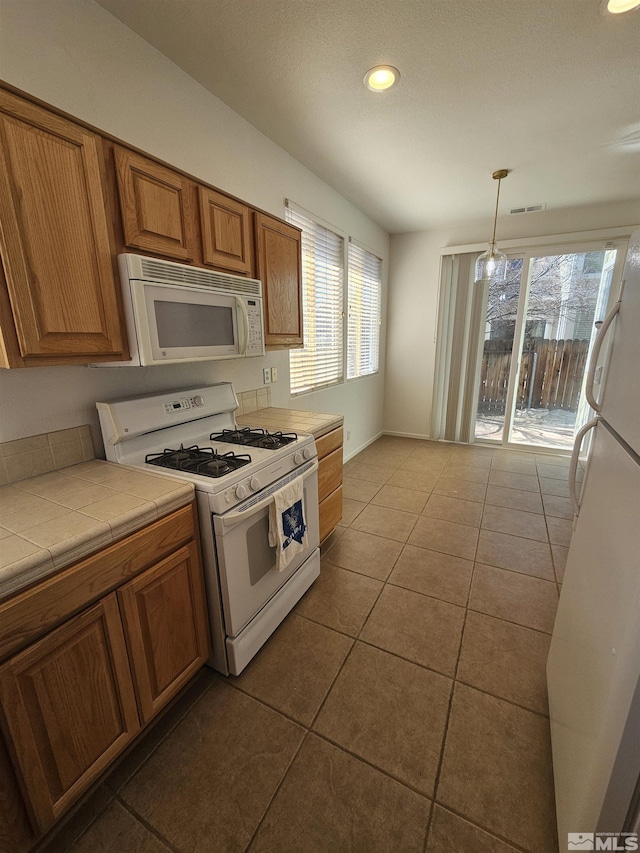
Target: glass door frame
[528,255]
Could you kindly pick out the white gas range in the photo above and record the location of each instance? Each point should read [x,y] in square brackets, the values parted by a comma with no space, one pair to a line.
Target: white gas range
[191,434]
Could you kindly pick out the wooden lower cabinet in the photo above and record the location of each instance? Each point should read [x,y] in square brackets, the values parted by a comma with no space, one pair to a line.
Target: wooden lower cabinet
[165,619]
[330,510]
[69,709]
[74,695]
[329,448]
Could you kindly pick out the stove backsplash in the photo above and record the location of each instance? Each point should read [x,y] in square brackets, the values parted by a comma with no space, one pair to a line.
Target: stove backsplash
[39,454]
[251,401]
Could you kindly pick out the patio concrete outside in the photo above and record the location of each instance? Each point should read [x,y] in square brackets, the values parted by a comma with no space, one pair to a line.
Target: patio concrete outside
[539,427]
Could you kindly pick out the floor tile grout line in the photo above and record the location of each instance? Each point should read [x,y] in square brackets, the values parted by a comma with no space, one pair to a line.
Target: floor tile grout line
[160,742]
[371,764]
[148,826]
[44,844]
[436,781]
[517,847]
[115,792]
[275,793]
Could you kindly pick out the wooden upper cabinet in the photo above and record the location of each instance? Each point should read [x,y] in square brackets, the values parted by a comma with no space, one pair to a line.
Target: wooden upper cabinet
[155,203]
[61,301]
[69,708]
[165,618]
[227,235]
[279,266]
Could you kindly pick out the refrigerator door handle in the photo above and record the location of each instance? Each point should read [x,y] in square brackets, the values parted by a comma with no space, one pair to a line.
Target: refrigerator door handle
[595,354]
[573,465]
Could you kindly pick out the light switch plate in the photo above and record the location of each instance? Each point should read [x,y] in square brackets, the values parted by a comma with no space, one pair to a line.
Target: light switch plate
[274,374]
[266,375]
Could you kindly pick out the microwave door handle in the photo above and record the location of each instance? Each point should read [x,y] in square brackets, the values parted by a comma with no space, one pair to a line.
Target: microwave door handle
[242,311]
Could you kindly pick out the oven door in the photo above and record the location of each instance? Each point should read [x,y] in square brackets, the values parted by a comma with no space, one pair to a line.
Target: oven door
[246,561]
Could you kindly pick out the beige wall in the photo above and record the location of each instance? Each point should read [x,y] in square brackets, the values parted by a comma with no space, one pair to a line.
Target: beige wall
[414,276]
[76,56]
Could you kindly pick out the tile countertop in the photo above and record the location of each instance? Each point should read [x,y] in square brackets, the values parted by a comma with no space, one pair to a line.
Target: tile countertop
[53,520]
[294,420]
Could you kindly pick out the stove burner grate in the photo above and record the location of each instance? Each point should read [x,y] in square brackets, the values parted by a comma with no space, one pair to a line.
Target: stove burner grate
[198,460]
[255,437]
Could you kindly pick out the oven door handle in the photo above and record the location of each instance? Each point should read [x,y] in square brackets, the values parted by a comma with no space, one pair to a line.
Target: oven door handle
[235,517]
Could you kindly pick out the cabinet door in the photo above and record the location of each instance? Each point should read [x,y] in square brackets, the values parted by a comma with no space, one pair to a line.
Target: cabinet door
[330,512]
[55,239]
[155,206]
[68,707]
[165,617]
[279,266]
[226,232]
[329,474]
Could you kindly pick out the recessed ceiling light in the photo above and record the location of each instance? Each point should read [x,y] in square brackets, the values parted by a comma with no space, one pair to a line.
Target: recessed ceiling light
[616,7]
[383,77]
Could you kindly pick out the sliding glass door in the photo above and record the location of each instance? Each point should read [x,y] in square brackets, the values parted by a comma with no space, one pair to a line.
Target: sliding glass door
[539,331]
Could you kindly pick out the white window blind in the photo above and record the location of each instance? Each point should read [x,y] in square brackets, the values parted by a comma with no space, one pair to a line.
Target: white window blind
[363,329]
[320,362]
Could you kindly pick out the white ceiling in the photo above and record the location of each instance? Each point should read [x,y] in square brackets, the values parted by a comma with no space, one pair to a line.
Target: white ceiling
[547,88]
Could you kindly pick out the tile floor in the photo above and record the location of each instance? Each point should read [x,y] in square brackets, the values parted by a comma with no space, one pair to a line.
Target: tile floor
[401,707]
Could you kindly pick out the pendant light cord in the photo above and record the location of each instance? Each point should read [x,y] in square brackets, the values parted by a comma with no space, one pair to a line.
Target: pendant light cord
[495,218]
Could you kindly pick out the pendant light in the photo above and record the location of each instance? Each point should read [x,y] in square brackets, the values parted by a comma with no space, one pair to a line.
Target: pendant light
[492,264]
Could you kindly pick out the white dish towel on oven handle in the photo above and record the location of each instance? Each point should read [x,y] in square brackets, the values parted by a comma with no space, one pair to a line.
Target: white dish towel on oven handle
[287,523]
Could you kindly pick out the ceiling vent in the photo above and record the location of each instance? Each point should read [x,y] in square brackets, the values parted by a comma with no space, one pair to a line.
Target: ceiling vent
[531,208]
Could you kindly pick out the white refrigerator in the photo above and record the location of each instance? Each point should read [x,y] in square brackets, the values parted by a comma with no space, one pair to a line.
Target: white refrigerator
[593,670]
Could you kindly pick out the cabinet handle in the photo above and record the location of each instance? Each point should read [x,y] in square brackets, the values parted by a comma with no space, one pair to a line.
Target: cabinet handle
[242,310]
[573,465]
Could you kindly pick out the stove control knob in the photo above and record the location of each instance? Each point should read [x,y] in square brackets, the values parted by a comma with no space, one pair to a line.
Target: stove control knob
[307,453]
[254,484]
[198,401]
[241,492]
[297,458]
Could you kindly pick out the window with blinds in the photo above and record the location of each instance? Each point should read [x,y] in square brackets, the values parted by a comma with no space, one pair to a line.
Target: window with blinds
[364,285]
[320,362]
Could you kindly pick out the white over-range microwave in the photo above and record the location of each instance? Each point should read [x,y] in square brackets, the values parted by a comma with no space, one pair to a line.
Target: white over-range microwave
[177,313]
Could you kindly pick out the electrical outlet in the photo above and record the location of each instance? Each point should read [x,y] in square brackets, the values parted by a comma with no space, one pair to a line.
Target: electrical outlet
[274,374]
[266,376]
[348,434]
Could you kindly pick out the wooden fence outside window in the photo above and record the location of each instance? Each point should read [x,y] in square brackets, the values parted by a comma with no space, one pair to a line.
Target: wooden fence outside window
[550,378]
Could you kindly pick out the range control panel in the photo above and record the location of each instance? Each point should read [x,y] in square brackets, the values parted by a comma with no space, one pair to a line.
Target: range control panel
[183,403]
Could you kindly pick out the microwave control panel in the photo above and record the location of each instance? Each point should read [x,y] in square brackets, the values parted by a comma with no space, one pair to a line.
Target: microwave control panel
[255,342]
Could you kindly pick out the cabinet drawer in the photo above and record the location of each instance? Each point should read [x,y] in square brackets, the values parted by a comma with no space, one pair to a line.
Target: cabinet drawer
[330,513]
[329,474]
[329,442]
